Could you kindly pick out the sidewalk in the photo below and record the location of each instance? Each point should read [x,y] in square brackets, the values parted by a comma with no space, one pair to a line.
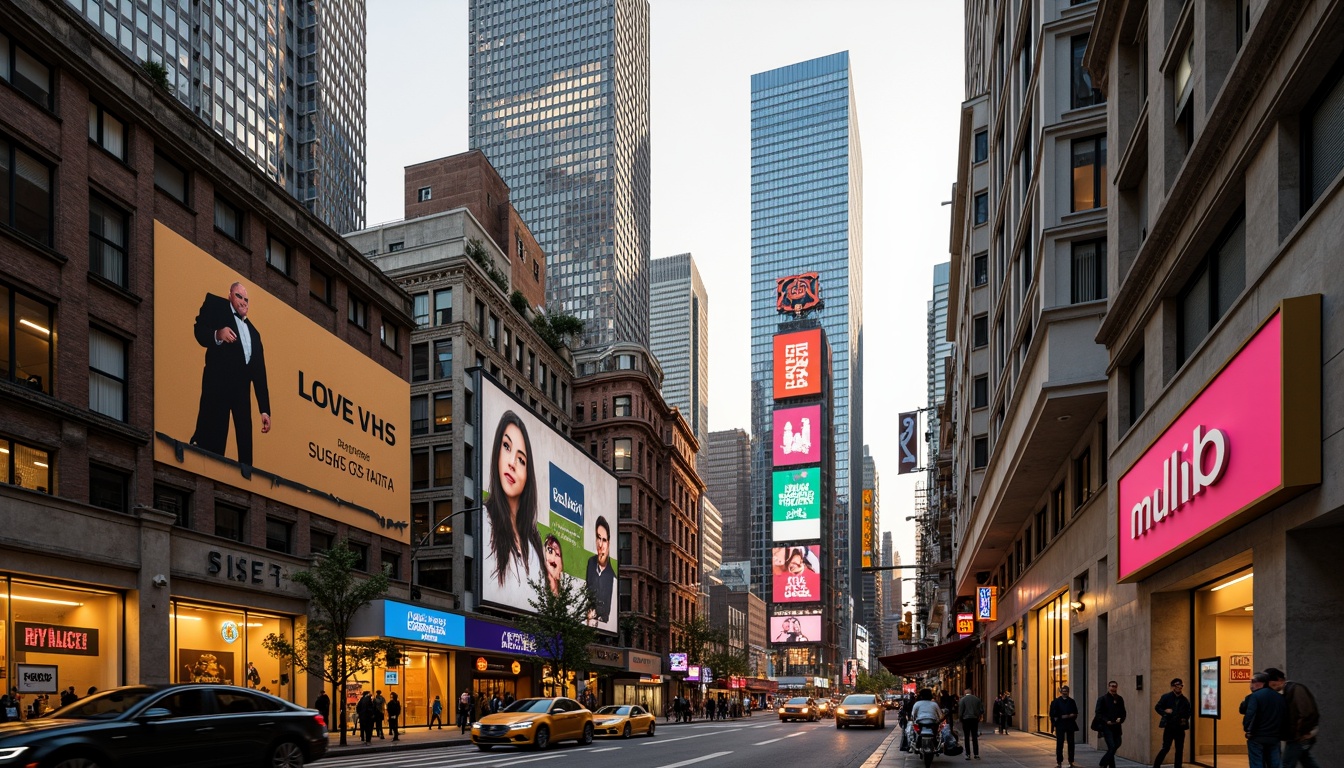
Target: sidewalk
[1012,750]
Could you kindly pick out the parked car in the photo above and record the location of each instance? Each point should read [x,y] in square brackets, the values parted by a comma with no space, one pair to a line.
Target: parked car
[187,724]
[623,720]
[534,723]
[860,709]
[799,708]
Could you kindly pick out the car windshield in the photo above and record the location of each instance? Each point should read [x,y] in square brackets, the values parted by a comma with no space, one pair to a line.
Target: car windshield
[104,706]
[529,705]
[799,700]
[613,710]
[860,698]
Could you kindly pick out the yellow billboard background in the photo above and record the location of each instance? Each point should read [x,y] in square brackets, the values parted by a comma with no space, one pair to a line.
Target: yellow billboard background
[340,437]
[866,528]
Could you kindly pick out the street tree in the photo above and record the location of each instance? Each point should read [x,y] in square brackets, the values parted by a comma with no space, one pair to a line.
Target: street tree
[336,592]
[879,681]
[559,626]
[699,638]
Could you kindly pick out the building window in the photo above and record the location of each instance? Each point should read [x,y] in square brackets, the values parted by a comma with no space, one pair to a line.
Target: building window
[1323,137]
[1183,87]
[1082,478]
[320,541]
[1208,294]
[1058,510]
[419,415]
[443,359]
[279,536]
[493,337]
[107,241]
[421,311]
[319,285]
[419,362]
[980,451]
[170,178]
[1089,173]
[107,374]
[25,466]
[419,469]
[480,319]
[25,340]
[390,335]
[981,151]
[361,556]
[174,500]
[25,200]
[980,393]
[1105,453]
[621,405]
[229,219]
[397,246]
[1134,385]
[109,488]
[622,454]
[443,306]
[29,76]
[522,252]
[536,270]
[357,311]
[1052,650]
[443,466]
[107,131]
[443,411]
[982,208]
[423,195]
[1084,95]
[230,521]
[623,501]
[1087,277]
[391,564]
[980,331]
[277,254]
[980,268]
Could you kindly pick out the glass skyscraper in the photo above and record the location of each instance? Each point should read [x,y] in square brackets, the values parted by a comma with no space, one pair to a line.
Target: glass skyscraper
[679,338]
[559,93]
[281,82]
[807,216]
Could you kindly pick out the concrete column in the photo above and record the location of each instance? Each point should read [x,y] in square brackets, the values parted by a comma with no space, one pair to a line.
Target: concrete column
[1315,611]
[148,651]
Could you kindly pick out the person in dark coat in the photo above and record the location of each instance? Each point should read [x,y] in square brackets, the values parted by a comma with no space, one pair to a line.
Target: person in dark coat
[1064,718]
[1110,713]
[366,713]
[1302,722]
[1263,722]
[394,716]
[1175,712]
[235,365]
[323,706]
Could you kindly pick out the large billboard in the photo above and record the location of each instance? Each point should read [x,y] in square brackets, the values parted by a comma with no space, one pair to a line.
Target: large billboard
[302,418]
[866,528]
[804,628]
[796,573]
[798,363]
[797,435]
[797,504]
[549,510]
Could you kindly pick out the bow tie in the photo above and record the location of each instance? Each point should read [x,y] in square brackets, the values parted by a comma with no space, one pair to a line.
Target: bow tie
[240,317]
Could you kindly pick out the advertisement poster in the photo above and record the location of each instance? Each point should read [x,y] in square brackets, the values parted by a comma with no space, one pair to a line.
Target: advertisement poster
[560,501]
[1209,693]
[1240,668]
[795,629]
[248,391]
[797,504]
[797,434]
[798,363]
[866,528]
[796,573]
[206,666]
[676,662]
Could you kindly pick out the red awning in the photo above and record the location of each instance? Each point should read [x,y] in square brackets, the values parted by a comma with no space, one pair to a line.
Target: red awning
[925,659]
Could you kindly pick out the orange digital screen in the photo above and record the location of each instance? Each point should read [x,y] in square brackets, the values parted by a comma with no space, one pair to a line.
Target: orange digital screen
[798,363]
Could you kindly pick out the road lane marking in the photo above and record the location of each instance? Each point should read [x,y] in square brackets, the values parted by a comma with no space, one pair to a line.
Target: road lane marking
[605,749]
[696,736]
[695,760]
[781,738]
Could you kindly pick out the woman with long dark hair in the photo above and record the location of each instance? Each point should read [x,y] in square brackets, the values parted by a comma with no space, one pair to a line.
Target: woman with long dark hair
[512,506]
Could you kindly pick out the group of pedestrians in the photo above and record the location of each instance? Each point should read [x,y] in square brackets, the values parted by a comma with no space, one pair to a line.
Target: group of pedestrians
[1107,720]
[372,710]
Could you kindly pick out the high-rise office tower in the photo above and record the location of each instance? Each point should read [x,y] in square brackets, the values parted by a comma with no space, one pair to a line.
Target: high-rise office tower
[939,348]
[871,583]
[679,338]
[560,106]
[281,82]
[727,473]
[804,125]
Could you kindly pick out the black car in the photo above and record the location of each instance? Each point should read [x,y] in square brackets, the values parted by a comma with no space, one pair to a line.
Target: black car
[168,725]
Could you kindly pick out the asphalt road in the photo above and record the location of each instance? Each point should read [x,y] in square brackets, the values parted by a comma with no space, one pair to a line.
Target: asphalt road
[749,743]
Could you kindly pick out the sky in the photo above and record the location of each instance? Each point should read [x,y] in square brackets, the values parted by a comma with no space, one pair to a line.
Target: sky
[906,66]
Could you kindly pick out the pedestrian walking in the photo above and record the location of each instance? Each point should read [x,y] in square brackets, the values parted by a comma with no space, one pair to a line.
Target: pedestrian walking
[971,710]
[1110,713]
[394,716]
[1009,709]
[1064,718]
[463,711]
[1263,722]
[1174,713]
[379,712]
[323,707]
[1302,723]
[436,713]
[366,713]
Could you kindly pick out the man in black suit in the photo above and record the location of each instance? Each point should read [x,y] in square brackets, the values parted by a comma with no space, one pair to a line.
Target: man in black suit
[235,364]
[601,575]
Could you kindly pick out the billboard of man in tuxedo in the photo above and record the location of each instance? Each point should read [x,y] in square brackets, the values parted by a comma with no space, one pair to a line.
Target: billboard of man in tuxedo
[235,365]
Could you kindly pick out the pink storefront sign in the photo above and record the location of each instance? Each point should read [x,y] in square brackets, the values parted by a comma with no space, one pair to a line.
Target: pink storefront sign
[1247,442]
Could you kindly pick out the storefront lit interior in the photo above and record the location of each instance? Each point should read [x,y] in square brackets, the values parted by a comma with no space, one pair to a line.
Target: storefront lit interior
[216,644]
[28,610]
[1224,629]
[1051,659]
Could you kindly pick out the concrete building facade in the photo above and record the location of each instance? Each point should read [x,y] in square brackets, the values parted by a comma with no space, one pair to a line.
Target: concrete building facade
[727,475]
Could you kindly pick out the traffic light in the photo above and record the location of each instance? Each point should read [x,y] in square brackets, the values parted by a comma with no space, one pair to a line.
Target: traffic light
[903,631]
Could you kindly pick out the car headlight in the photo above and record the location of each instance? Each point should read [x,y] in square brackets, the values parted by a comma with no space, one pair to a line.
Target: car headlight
[9,753]
[475,726]
[872,710]
[804,710]
[605,722]
[780,710]
[520,726]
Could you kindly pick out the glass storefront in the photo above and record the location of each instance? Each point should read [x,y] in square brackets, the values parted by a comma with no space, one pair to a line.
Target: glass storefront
[1224,629]
[224,645]
[420,676]
[648,695]
[1052,656]
[72,634]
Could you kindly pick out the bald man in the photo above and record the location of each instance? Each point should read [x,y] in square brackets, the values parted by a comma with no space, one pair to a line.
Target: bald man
[235,365]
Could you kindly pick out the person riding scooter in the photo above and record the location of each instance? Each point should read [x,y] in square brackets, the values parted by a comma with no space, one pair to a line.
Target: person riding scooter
[926,714]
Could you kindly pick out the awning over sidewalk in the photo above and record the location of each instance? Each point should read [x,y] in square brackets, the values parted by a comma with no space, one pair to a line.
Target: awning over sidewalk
[914,662]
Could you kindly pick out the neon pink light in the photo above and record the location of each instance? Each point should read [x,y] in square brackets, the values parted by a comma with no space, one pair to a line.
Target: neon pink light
[1235,429]
[797,435]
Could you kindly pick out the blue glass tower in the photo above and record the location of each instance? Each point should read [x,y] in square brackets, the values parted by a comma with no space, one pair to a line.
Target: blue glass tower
[560,107]
[806,216]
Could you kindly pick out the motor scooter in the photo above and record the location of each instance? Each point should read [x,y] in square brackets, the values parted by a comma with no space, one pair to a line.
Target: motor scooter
[925,740]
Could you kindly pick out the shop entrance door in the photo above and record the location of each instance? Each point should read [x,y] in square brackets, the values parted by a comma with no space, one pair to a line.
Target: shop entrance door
[1224,630]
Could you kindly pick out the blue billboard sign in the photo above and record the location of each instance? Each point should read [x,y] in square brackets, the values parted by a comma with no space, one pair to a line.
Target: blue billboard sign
[423,625]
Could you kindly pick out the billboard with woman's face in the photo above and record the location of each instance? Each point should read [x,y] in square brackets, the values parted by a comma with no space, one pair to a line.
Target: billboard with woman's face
[795,629]
[797,573]
[549,511]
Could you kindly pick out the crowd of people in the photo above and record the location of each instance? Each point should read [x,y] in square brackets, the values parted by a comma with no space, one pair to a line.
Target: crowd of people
[13,707]
[722,706]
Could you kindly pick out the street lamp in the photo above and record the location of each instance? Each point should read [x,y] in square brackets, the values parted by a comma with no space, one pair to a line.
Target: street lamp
[440,527]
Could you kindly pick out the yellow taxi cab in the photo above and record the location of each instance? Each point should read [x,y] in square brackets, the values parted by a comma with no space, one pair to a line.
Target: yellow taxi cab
[534,723]
[799,708]
[826,707]
[860,709]
[623,720]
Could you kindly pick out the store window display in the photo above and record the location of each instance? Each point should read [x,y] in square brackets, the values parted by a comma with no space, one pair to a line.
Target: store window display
[219,645]
[75,632]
